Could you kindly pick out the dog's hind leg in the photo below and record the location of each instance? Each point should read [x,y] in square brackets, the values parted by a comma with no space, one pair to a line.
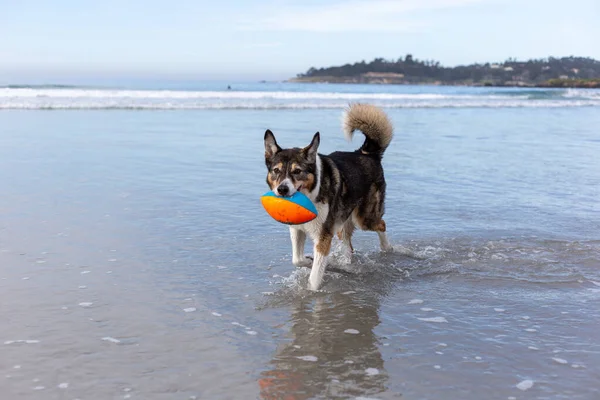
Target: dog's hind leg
[380,228]
[322,247]
[298,239]
[369,216]
[383,239]
[345,235]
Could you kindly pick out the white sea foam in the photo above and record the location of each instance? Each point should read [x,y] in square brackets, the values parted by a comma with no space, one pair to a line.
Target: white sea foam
[111,339]
[26,341]
[307,358]
[240,325]
[189,309]
[80,93]
[433,319]
[415,301]
[81,98]
[525,385]
[582,93]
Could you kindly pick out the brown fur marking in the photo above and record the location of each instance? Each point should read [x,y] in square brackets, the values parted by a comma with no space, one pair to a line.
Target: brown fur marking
[346,232]
[324,244]
[368,216]
[309,183]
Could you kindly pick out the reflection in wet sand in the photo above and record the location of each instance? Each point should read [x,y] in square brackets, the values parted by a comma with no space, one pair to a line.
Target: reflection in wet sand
[333,352]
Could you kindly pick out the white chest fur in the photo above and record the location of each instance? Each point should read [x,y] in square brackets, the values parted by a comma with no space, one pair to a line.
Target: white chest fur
[313,228]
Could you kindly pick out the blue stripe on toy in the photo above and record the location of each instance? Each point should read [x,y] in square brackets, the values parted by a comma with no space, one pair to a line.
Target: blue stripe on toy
[299,198]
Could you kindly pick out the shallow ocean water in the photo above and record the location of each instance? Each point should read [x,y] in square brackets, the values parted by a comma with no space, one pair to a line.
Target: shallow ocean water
[137,262]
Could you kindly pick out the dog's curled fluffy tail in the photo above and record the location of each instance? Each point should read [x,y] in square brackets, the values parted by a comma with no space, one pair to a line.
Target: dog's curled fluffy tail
[373,123]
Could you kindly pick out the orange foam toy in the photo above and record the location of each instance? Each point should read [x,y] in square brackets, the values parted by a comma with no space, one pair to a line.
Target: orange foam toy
[294,210]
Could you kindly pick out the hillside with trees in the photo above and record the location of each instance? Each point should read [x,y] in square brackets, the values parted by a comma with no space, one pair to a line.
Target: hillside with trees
[546,72]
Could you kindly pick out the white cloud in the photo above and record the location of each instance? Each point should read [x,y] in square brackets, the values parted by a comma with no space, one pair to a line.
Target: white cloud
[356,16]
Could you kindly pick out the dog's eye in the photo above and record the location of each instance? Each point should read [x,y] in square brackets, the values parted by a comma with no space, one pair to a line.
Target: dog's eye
[276,170]
[297,171]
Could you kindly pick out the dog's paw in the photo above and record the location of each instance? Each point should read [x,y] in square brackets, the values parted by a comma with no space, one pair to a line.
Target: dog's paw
[388,248]
[304,262]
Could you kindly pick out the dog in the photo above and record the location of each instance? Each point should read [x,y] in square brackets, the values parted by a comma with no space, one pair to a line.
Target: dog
[347,188]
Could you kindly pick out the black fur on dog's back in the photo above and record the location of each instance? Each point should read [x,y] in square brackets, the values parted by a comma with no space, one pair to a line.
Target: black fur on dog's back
[349,175]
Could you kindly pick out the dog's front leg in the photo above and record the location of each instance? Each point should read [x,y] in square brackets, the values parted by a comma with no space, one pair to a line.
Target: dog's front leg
[298,239]
[322,247]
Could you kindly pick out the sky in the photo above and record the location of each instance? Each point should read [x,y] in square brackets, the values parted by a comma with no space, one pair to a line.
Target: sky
[277,39]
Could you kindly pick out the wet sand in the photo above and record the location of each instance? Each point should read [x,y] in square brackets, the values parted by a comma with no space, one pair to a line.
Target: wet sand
[129,270]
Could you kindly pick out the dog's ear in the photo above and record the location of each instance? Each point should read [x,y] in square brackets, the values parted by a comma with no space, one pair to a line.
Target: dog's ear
[271,146]
[310,151]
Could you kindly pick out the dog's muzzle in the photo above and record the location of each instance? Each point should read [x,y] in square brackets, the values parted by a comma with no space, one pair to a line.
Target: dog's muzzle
[285,189]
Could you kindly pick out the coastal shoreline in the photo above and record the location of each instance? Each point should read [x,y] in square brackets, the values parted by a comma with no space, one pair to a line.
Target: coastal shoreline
[361,80]
[551,72]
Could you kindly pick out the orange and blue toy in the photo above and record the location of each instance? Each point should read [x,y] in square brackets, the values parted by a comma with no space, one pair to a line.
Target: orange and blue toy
[294,210]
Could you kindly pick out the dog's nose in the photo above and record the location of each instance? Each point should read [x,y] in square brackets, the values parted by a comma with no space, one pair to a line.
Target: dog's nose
[283,190]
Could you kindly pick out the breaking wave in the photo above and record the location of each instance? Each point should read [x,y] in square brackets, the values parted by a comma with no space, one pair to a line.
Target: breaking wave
[51,97]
